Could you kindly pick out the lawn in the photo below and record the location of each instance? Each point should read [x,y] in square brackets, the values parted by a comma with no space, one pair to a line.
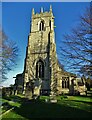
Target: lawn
[66,107]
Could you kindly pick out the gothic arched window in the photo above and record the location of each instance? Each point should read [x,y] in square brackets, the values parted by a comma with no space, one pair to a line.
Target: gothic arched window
[50,24]
[65,82]
[41,26]
[49,37]
[62,84]
[40,69]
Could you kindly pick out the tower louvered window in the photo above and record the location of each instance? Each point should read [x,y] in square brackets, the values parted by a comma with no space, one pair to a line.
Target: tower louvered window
[41,26]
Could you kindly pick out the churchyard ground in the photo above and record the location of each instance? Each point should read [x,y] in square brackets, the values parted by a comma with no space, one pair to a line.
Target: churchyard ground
[66,107]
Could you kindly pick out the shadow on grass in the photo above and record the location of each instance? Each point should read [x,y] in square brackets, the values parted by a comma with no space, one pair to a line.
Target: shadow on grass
[83,97]
[90,103]
[40,109]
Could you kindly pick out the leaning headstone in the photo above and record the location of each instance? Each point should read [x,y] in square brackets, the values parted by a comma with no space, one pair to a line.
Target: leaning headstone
[53,101]
[53,98]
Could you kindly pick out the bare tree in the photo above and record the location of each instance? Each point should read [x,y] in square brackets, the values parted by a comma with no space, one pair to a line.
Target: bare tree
[8,55]
[77,49]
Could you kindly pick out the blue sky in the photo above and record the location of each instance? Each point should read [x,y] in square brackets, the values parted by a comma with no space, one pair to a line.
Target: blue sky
[16,19]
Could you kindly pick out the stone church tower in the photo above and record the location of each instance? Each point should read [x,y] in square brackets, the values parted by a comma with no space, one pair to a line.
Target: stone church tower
[40,62]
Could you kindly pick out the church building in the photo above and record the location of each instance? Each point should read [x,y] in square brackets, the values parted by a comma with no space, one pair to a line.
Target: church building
[43,73]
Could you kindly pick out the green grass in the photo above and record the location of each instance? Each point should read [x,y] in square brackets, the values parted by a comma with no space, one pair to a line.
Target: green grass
[66,107]
[10,100]
[80,98]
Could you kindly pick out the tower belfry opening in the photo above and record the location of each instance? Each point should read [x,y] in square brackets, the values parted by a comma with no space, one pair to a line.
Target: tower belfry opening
[41,26]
